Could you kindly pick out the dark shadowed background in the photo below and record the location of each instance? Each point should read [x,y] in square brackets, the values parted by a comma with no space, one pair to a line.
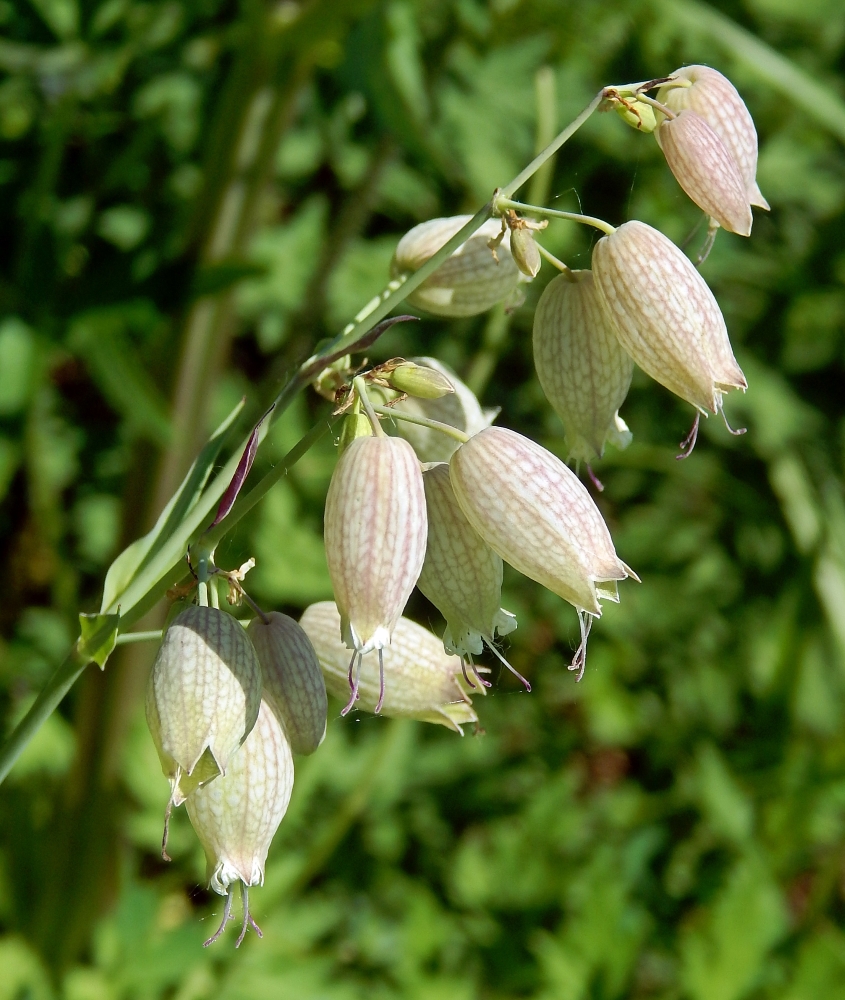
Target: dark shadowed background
[192,193]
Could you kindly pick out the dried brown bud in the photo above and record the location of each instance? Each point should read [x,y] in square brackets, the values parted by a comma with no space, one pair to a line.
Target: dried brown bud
[706,170]
[665,316]
[583,369]
[535,512]
[375,531]
[422,680]
[712,96]
[293,682]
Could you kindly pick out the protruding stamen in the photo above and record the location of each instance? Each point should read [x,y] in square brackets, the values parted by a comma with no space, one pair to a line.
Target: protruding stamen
[599,485]
[513,670]
[164,855]
[466,675]
[481,680]
[579,660]
[353,684]
[227,916]
[688,443]
[739,430]
[380,701]
[248,921]
[709,240]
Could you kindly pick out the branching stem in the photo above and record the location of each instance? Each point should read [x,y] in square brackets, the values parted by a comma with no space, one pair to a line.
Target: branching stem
[434,425]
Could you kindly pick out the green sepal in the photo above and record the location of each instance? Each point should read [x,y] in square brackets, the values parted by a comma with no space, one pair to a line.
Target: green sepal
[98,637]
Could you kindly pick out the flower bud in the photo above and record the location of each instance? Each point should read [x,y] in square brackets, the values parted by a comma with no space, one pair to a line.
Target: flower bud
[583,369]
[202,698]
[354,425]
[236,816]
[469,282]
[419,381]
[461,575]
[712,96]
[375,531]
[459,409]
[665,316]
[524,251]
[706,170]
[535,512]
[293,682]
[637,114]
[422,680]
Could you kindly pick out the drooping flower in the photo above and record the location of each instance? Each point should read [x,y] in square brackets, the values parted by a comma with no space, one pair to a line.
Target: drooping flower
[665,316]
[460,409]
[237,815]
[711,95]
[461,575]
[583,369]
[293,681]
[421,680]
[375,532]
[469,282]
[203,697]
[535,512]
[706,170]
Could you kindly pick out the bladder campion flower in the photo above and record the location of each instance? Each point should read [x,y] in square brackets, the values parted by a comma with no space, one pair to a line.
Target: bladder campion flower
[293,682]
[461,575]
[237,814]
[203,697]
[470,281]
[706,170]
[711,95]
[422,680]
[583,370]
[535,512]
[665,316]
[375,532]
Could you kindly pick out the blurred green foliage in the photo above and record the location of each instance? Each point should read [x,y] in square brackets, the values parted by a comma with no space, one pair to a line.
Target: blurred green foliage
[672,827]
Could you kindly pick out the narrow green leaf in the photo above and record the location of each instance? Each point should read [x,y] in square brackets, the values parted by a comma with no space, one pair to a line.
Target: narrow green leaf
[126,566]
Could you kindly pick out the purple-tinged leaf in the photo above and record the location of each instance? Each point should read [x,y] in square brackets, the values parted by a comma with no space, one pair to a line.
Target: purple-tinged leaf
[234,488]
[367,340]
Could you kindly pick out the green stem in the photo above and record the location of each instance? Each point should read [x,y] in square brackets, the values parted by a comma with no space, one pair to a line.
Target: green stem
[587,220]
[550,257]
[128,637]
[434,425]
[361,390]
[553,147]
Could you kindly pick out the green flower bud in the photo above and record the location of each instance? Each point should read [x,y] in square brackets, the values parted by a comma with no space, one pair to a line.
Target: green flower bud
[202,698]
[524,251]
[460,409]
[469,282]
[293,682]
[706,170]
[461,575]
[637,114]
[582,367]
[354,425]
[419,381]
[535,512]
[665,316]
[422,681]
[375,531]
[712,96]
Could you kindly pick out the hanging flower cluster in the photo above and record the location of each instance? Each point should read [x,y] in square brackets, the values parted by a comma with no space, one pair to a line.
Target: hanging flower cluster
[448,497]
